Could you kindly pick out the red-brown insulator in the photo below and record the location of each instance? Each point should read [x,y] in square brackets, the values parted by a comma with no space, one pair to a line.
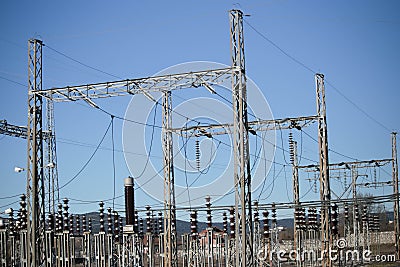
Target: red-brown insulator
[256,213]
[78,225]
[148,220]
[101,215]
[197,154]
[136,222]
[209,216]
[71,224]
[232,222]
[273,209]
[160,223]
[266,233]
[225,222]
[116,226]
[109,221]
[129,201]
[291,148]
[84,226]
[141,228]
[193,224]
[66,214]
[59,219]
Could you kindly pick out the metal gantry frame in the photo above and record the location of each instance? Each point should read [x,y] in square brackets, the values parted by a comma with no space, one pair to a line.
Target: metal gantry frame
[164,84]
[170,244]
[241,173]
[50,161]
[35,175]
[325,191]
[353,166]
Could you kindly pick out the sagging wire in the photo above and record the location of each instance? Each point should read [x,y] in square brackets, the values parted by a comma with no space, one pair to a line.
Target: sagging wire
[90,158]
[151,142]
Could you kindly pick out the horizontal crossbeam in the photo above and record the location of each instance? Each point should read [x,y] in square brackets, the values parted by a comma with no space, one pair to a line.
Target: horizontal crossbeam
[254,126]
[16,131]
[348,165]
[147,85]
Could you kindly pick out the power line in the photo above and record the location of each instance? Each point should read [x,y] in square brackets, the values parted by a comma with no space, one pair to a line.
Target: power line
[280,49]
[12,81]
[151,142]
[146,124]
[9,204]
[312,71]
[329,149]
[358,107]
[81,63]
[88,161]
[16,195]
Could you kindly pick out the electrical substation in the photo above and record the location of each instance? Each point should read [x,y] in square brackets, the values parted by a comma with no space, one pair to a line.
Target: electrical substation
[43,232]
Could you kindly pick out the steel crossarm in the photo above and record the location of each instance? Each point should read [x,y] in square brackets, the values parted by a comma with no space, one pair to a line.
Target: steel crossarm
[161,83]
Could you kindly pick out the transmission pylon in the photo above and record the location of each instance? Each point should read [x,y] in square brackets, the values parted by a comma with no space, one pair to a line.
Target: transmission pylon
[325,191]
[242,177]
[170,257]
[35,178]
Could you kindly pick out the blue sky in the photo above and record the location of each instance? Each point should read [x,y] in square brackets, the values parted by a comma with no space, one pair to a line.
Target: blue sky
[354,43]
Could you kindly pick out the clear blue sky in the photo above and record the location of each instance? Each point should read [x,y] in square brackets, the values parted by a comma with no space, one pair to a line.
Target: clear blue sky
[354,43]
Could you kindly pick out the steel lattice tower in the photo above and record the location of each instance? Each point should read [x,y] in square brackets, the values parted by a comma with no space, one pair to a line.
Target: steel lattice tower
[35,177]
[170,248]
[325,191]
[242,177]
[51,159]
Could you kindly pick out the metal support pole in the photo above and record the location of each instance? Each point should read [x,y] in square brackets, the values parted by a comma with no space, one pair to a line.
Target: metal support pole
[230,240]
[210,235]
[51,159]
[296,196]
[242,178]
[354,175]
[35,179]
[3,247]
[396,194]
[325,191]
[170,249]
[257,236]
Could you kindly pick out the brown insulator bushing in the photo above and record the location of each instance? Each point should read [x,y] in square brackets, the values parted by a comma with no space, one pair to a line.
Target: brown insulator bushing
[232,222]
[109,221]
[209,216]
[265,224]
[148,220]
[193,224]
[160,223]
[129,201]
[101,215]
[225,222]
[84,226]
